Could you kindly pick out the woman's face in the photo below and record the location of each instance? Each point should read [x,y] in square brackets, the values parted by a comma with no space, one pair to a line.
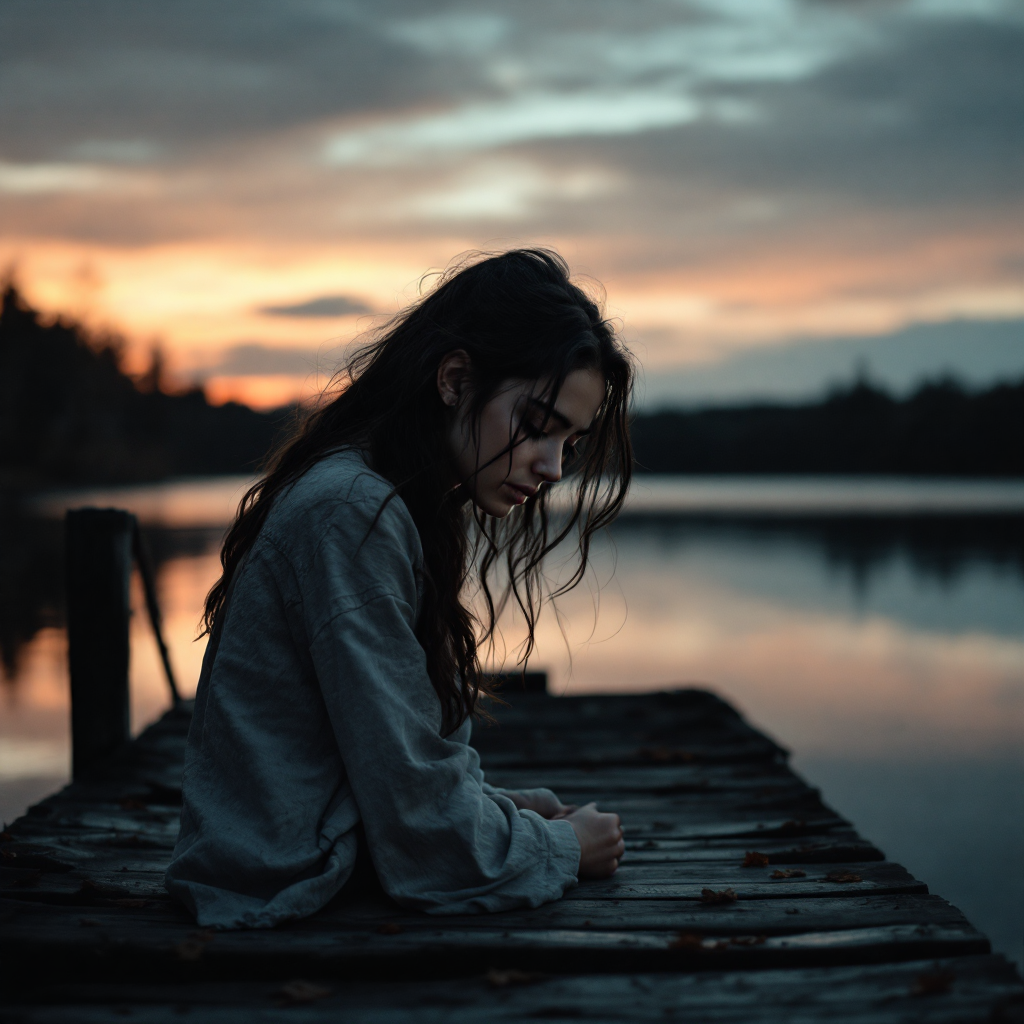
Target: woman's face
[498,478]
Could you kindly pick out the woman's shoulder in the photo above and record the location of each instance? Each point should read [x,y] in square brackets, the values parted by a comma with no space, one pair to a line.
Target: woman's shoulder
[342,493]
[342,477]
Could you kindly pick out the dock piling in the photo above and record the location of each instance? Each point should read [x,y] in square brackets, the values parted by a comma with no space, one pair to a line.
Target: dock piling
[99,564]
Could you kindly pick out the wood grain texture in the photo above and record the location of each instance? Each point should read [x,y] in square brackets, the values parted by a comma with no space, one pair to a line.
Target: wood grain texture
[839,932]
[954,989]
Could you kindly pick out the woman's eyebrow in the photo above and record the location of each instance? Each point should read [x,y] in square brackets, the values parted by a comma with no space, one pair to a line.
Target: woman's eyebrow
[542,406]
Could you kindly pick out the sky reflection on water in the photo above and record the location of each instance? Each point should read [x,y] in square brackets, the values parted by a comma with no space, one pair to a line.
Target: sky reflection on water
[886,653]
[888,663]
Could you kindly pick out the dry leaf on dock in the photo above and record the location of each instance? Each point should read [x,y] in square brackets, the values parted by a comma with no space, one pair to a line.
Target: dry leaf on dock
[717,896]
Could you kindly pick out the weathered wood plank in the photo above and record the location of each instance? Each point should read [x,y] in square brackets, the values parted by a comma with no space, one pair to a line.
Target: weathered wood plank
[629,883]
[841,846]
[651,883]
[592,749]
[697,789]
[775,917]
[951,989]
[158,942]
[99,847]
[710,780]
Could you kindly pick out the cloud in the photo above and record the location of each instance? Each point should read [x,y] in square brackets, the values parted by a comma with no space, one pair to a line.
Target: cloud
[254,359]
[737,170]
[42,178]
[117,151]
[935,115]
[979,353]
[504,190]
[322,306]
[192,74]
[899,102]
[520,118]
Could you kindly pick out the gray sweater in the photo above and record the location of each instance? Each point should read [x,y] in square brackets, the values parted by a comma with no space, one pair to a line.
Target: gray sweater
[315,713]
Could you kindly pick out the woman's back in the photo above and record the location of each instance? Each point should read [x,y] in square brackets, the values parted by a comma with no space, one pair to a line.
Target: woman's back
[315,713]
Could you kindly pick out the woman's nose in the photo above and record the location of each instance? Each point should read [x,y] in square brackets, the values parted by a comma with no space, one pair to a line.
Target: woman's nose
[548,465]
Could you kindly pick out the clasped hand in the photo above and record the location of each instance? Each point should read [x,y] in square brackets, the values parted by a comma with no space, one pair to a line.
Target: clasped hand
[599,832]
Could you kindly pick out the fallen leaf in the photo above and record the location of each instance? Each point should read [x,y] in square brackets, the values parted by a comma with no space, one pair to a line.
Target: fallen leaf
[299,991]
[390,929]
[686,940]
[510,976]
[717,896]
[788,873]
[753,859]
[932,984]
[843,876]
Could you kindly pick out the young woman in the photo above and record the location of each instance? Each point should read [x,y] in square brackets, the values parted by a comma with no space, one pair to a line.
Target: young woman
[333,710]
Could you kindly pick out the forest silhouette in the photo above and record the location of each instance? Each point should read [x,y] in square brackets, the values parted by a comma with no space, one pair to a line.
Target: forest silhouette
[70,414]
[939,430]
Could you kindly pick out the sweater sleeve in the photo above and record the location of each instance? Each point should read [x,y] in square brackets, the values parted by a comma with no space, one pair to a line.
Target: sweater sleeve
[441,840]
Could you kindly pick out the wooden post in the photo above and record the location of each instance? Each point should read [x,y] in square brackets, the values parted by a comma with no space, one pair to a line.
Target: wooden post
[99,566]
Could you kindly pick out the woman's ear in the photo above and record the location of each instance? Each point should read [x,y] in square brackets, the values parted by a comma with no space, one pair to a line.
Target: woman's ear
[452,376]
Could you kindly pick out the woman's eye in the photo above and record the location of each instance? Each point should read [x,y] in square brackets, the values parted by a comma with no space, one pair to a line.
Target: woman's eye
[533,431]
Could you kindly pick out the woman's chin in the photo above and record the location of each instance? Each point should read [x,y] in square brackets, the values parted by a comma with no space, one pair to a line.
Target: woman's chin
[496,508]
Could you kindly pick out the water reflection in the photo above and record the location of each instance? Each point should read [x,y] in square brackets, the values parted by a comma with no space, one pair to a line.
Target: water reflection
[825,654]
[939,572]
[885,650]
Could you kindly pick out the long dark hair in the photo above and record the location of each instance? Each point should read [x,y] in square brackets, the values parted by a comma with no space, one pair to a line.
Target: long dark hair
[518,317]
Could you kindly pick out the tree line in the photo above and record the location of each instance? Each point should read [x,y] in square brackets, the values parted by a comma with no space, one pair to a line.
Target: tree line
[70,414]
[939,430]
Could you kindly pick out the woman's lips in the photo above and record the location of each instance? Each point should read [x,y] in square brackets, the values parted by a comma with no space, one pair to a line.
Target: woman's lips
[521,493]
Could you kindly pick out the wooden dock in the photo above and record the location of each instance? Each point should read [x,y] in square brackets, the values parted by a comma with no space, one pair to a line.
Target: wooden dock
[742,897]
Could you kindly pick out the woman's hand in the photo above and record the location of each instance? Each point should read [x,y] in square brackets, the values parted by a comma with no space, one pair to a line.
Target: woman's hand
[600,837]
[543,801]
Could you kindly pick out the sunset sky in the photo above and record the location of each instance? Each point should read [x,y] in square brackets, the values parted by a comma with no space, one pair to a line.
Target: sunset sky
[247,183]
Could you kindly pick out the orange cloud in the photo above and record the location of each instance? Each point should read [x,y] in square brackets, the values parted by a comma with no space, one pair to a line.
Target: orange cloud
[269,391]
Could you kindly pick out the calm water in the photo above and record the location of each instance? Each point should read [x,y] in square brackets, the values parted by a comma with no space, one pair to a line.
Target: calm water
[866,628]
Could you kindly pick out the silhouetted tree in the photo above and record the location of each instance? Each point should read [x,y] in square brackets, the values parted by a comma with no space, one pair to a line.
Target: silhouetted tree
[940,430]
[70,414]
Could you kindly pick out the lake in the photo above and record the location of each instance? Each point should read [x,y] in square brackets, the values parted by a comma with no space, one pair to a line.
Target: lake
[873,627]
